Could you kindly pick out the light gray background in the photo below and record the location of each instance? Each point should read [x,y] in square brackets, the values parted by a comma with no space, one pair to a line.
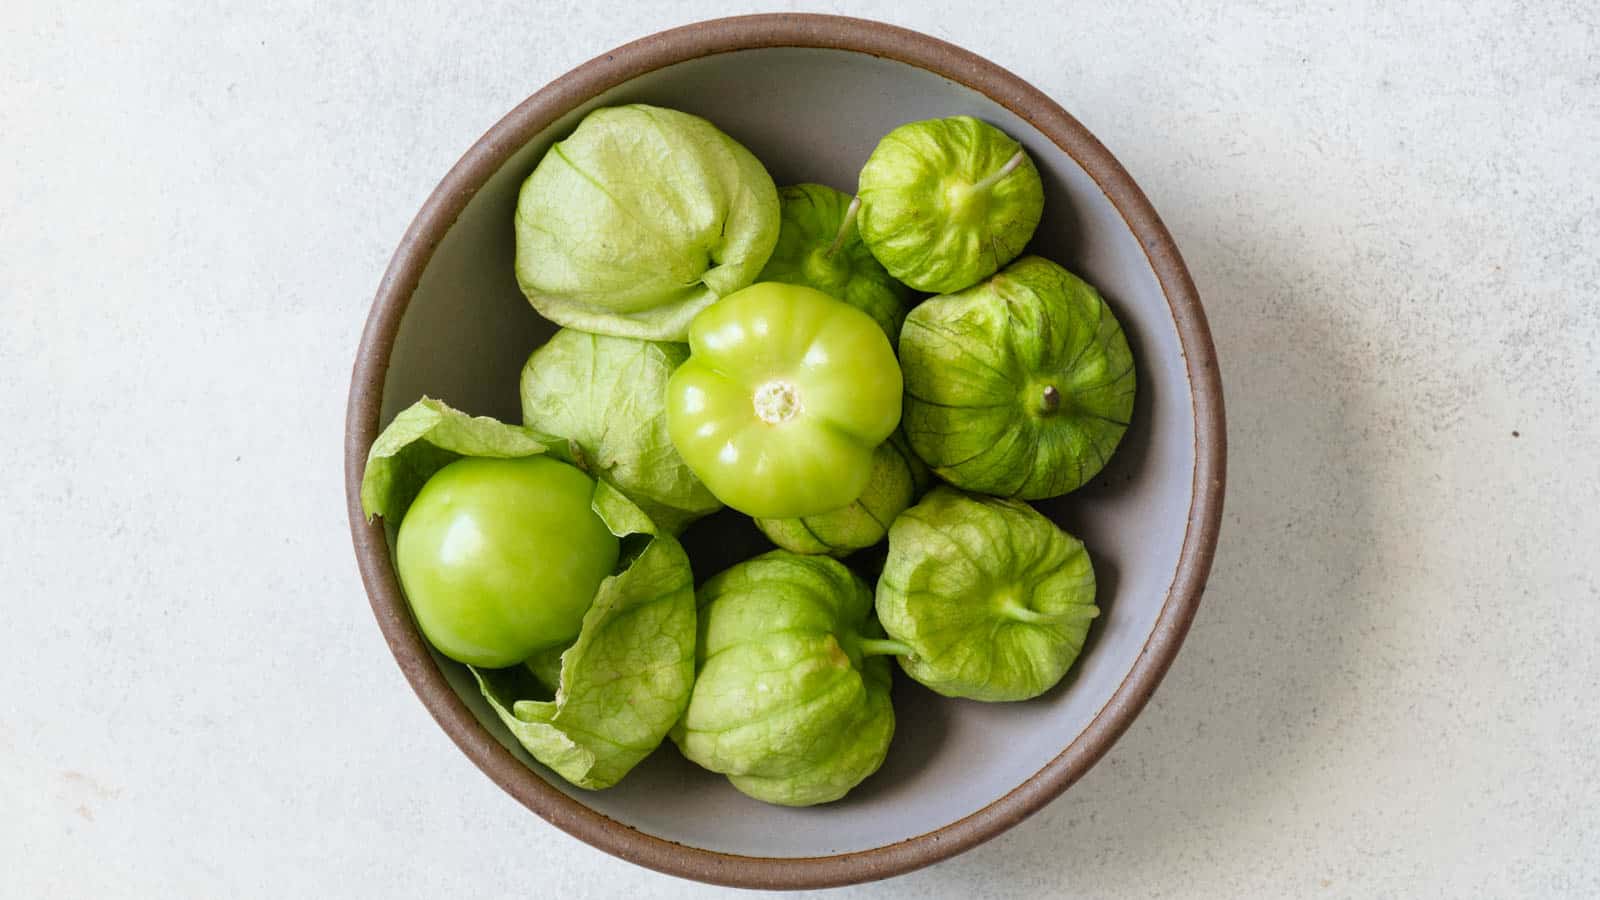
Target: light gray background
[1391,689]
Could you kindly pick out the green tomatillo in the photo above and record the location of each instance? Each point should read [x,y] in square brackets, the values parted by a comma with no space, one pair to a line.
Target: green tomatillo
[1019,386]
[502,557]
[819,246]
[947,202]
[639,219]
[990,600]
[791,694]
[785,395]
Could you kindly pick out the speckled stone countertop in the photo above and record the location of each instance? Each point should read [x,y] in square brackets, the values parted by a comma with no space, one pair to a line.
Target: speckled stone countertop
[1390,210]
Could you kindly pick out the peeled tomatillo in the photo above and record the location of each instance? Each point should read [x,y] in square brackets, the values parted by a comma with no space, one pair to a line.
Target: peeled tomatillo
[784,397]
[502,557]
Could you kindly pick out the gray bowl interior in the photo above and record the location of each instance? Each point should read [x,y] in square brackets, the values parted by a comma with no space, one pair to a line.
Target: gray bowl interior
[815,115]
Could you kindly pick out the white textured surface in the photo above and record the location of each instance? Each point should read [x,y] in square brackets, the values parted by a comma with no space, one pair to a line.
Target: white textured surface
[1390,689]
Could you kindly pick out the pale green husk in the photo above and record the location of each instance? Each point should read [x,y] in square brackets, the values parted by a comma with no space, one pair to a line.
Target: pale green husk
[946,202]
[820,247]
[607,394]
[627,678]
[976,366]
[640,219]
[786,703]
[992,600]
[429,435]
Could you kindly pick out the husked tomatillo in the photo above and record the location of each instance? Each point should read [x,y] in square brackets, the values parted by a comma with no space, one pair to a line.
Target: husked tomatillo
[785,395]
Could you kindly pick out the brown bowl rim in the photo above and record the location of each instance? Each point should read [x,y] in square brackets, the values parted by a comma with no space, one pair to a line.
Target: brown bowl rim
[690,42]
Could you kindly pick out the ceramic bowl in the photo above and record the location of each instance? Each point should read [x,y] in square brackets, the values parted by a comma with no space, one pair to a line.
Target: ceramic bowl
[811,96]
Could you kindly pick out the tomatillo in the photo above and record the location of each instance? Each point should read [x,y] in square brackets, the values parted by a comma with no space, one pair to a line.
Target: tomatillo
[784,397]
[502,557]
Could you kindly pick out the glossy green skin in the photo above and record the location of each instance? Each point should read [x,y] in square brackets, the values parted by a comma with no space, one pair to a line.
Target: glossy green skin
[898,479]
[946,202]
[992,600]
[819,246]
[981,367]
[640,219]
[788,702]
[608,395]
[785,396]
[501,557]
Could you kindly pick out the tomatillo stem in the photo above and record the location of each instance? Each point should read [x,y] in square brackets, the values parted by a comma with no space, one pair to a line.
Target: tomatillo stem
[882,647]
[776,402]
[1049,400]
[1003,171]
[844,227]
[1033,617]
